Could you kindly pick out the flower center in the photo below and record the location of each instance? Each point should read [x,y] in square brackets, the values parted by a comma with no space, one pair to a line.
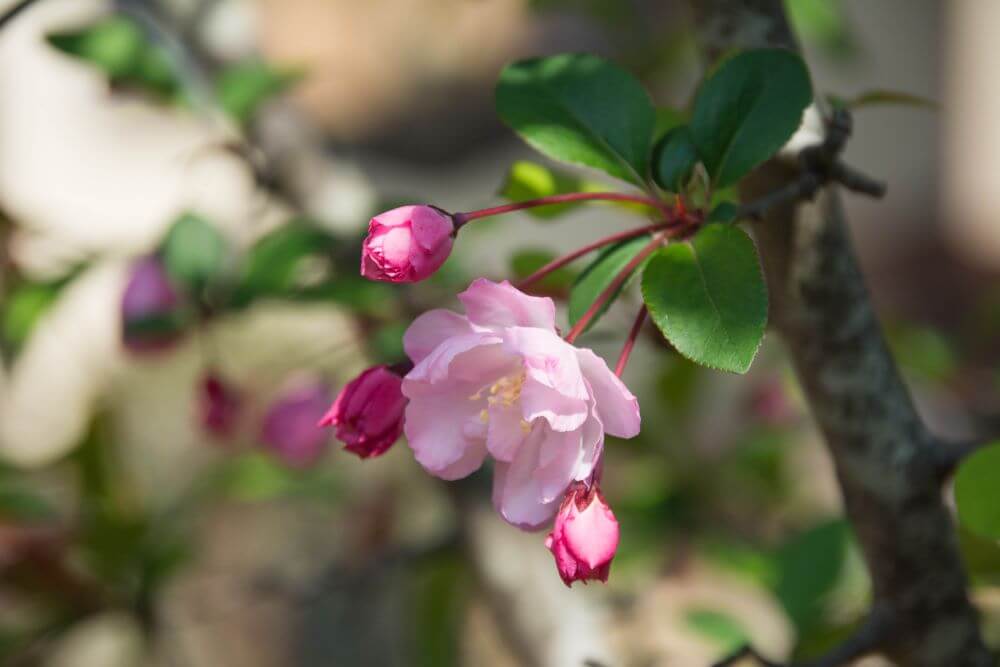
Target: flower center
[504,392]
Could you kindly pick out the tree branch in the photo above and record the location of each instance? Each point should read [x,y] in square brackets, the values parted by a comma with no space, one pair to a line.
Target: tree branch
[885,458]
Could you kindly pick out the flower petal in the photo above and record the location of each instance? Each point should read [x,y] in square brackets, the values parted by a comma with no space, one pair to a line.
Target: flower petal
[435,367]
[430,330]
[561,412]
[505,431]
[516,492]
[491,304]
[592,535]
[617,408]
[548,359]
[434,427]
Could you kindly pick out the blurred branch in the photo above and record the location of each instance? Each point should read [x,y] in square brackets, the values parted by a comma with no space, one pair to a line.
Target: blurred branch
[12,13]
[885,457]
[950,454]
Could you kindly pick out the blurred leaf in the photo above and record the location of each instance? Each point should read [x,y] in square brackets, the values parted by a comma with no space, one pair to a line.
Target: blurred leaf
[924,351]
[977,492]
[18,504]
[747,109]
[809,566]
[193,251]
[724,212]
[878,97]
[438,595]
[673,159]
[722,629]
[242,88]
[666,120]
[981,557]
[530,180]
[257,477]
[387,342]
[742,560]
[599,275]
[707,297]
[24,306]
[580,109]
[276,263]
[822,22]
[525,262]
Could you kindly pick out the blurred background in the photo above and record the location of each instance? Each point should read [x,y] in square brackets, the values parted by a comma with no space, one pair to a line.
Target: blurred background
[164,499]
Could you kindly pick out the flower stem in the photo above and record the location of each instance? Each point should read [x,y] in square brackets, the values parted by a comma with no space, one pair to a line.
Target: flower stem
[615,285]
[462,218]
[640,319]
[560,262]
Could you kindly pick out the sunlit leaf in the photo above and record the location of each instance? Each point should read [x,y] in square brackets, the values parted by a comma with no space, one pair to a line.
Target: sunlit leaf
[977,492]
[599,275]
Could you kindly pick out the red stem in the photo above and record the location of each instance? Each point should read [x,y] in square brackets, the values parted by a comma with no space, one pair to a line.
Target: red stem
[640,319]
[560,262]
[612,289]
[462,218]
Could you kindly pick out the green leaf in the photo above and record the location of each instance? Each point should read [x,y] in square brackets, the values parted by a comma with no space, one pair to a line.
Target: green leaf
[530,180]
[673,159]
[599,275]
[977,492]
[115,45]
[527,261]
[193,251]
[279,262]
[580,109]
[809,566]
[881,97]
[747,109]
[243,88]
[725,631]
[724,212]
[666,120]
[24,306]
[708,298]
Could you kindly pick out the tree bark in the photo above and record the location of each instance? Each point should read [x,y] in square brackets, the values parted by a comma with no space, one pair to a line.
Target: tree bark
[885,457]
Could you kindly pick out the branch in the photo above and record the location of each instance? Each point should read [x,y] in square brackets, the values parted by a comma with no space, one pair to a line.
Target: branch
[885,458]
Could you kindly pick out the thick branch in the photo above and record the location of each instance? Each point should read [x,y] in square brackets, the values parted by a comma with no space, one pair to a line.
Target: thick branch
[885,458]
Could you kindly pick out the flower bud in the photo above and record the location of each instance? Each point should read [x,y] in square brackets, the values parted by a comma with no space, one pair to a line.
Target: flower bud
[406,244]
[585,535]
[289,427]
[150,308]
[368,412]
[218,406]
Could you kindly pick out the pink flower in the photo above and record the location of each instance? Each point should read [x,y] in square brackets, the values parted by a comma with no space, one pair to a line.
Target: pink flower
[500,380]
[585,536]
[406,244]
[151,308]
[218,406]
[368,412]
[289,428]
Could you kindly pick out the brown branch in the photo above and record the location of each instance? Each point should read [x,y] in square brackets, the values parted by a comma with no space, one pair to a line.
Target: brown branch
[885,458]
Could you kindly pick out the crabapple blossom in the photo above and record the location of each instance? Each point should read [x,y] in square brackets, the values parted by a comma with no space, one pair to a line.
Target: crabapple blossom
[585,535]
[368,412]
[289,426]
[500,381]
[407,244]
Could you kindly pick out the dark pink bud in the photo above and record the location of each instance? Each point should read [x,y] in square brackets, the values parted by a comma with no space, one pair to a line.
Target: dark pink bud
[219,406]
[289,428]
[406,244]
[368,412]
[584,538]
[150,308]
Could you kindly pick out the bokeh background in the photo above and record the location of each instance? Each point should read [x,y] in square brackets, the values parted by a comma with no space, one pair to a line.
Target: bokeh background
[132,532]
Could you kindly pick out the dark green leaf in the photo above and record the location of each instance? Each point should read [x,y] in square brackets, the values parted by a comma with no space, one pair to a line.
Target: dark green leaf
[708,298]
[193,251]
[809,566]
[977,492]
[666,120]
[673,159]
[279,262]
[599,275]
[580,109]
[747,109]
[722,629]
[724,212]
[242,88]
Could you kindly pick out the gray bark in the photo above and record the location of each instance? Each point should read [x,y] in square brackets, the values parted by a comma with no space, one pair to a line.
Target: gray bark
[885,457]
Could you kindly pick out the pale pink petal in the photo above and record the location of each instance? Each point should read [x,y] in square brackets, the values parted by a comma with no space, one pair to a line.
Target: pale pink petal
[616,406]
[592,535]
[548,359]
[430,330]
[491,304]
[435,366]
[592,444]
[561,412]
[434,427]
[470,462]
[516,492]
[505,432]
[558,459]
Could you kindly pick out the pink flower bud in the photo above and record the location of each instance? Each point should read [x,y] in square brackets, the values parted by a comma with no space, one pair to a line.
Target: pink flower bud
[218,406]
[289,428]
[406,244]
[585,535]
[150,308]
[368,412]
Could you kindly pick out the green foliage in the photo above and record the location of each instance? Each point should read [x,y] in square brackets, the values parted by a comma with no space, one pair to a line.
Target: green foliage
[724,212]
[822,22]
[666,120]
[279,261]
[24,306]
[525,262]
[580,109]
[530,180]
[193,251]
[882,97]
[747,109]
[242,88]
[438,591]
[708,298]
[257,477]
[977,492]
[599,275]
[674,158]
[809,566]
[722,629]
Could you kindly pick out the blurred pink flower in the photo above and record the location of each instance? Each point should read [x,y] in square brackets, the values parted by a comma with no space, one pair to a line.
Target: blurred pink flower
[218,406]
[289,427]
[150,306]
[406,244]
[500,380]
[368,412]
[585,536]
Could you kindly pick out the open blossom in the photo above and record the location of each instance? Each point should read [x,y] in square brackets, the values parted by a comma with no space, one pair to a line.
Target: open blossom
[584,538]
[289,428]
[406,244]
[149,307]
[368,412]
[500,380]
